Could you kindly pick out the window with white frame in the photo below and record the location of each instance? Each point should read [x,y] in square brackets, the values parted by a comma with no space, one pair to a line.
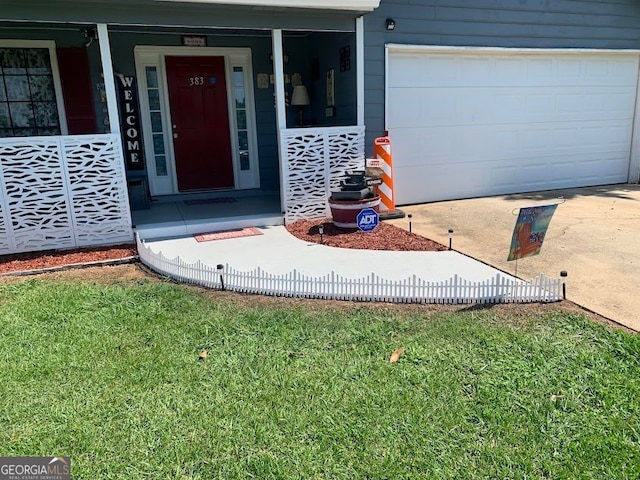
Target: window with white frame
[28,105]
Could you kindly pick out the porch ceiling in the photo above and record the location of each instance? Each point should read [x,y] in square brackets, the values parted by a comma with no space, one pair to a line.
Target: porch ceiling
[325,16]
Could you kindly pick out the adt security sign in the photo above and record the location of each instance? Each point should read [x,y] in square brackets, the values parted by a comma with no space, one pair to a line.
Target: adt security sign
[368,219]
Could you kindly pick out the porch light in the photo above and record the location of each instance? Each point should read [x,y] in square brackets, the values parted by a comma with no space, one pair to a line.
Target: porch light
[391,24]
[300,98]
[91,35]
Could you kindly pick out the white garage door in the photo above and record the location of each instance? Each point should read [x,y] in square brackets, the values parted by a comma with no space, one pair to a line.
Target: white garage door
[466,123]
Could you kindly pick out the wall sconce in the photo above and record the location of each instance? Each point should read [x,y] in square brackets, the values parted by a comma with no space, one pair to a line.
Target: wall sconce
[391,24]
[285,58]
[90,35]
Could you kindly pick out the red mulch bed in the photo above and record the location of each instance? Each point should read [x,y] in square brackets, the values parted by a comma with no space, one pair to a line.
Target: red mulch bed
[385,237]
[58,258]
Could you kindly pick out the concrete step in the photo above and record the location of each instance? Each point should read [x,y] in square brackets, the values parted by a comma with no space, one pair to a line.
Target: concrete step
[175,229]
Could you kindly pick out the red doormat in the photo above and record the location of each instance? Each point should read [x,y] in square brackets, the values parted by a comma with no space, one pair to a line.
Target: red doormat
[236,233]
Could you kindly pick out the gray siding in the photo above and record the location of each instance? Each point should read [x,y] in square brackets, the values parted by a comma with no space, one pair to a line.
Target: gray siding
[613,24]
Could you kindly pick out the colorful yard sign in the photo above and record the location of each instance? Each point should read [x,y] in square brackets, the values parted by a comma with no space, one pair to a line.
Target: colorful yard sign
[530,230]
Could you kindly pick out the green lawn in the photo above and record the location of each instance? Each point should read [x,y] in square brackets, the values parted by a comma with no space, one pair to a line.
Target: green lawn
[110,376]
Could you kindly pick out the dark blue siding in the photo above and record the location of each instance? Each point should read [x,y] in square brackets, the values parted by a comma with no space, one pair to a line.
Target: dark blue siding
[613,24]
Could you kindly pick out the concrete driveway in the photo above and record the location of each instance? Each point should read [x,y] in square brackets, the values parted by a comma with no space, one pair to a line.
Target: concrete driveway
[594,236]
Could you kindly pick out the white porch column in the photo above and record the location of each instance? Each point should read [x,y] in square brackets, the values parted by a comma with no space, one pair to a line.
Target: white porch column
[281,109]
[109,82]
[360,69]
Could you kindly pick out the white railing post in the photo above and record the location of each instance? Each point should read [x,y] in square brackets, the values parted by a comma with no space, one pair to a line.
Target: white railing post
[109,78]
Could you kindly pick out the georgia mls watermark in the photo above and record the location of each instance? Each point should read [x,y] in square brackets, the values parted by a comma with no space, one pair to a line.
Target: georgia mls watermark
[35,468]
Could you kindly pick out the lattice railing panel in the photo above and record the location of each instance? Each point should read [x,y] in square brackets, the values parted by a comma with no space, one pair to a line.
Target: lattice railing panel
[6,245]
[35,195]
[315,160]
[62,192]
[346,152]
[6,237]
[98,190]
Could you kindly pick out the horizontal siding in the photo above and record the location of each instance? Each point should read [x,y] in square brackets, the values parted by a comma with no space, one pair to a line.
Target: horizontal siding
[613,24]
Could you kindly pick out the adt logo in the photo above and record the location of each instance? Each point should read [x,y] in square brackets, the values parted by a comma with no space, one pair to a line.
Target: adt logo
[368,220]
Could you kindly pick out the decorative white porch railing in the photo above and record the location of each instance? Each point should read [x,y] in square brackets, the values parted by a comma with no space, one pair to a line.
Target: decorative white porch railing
[456,290]
[315,159]
[62,192]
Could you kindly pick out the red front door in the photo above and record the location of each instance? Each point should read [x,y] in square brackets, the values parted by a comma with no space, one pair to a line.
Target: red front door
[200,122]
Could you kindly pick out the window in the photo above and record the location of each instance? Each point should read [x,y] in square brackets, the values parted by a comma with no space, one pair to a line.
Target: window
[155,110]
[27,94]
[240,105]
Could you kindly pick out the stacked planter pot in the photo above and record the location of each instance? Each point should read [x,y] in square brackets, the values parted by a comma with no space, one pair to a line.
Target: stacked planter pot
[356,193]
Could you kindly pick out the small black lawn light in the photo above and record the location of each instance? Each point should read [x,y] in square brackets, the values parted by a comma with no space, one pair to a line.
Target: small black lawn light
[220,270]
[409,216]
[321,232]
[564,274]
[450,237]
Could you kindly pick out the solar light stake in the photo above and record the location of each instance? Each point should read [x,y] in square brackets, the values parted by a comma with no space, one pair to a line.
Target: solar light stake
[321,231]
[564,274]
[450,237]
[409,216]
[220,269]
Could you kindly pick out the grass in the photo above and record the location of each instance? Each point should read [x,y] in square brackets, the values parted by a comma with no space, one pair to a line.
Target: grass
[110,376]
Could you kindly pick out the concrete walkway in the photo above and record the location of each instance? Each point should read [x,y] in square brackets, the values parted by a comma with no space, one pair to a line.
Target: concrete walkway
[279,252]
[594,235]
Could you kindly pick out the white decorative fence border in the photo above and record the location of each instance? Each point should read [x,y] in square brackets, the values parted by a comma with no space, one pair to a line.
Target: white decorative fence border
[456,290]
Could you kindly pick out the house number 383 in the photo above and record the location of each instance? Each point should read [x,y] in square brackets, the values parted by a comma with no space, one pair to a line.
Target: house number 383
[196,81]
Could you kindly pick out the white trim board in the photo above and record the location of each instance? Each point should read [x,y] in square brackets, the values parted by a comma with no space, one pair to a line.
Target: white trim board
[153,55]
[398,47]
[634,154]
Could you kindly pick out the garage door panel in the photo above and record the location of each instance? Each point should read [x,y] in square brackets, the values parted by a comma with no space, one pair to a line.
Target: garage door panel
[468,70]
[484,123]
[422,107]
[442,180]
[482,143]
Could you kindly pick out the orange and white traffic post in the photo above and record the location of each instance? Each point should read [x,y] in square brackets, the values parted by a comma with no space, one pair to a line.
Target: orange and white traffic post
[382,167]
[382,152]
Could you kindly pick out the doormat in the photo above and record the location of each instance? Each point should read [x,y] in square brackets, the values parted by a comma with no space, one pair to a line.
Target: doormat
[225,234]
[208,201]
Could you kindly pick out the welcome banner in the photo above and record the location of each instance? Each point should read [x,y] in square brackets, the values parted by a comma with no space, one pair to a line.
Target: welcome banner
[530,230]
